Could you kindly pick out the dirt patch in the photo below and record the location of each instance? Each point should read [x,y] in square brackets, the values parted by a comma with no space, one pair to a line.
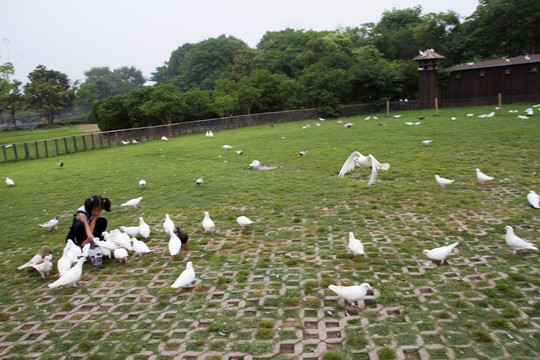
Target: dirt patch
[88,127]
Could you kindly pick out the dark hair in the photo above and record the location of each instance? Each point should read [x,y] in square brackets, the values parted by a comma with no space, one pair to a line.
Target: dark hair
[97,201]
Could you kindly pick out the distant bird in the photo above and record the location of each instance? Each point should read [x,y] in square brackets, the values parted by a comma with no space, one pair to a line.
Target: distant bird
[71,276]
[38,258]
[357,159]
[421,118]
[427,142]
[367,118]
[515,242]
[442,181]
[353,293]
[164,138]
[227,147]
[186,277]
[168,224]
[207,223]
[60,164]
[133,141]
[130,230]
[9,182]
[482,178]
[355,245]
[255,164]
[120,254]
[44,267]
[183,237]
[303,152]
[243,221]
[142,183]
[348,125]
[470,115]
[408,123]
[50,224]
[453,118]
[133,202]
[139,246]
[239,152]
[523,117]
[321,119]
[209,133]
[527,57]
[318,125]
[144,229]
[491,114]
[440,253]
[396,116]
[417,123]
[125,142]
[199,181]
[533,199]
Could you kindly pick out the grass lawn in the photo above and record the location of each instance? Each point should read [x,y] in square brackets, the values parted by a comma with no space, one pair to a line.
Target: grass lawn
[263,292]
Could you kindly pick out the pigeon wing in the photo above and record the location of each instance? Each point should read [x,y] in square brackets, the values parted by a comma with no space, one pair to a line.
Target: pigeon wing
[349,164]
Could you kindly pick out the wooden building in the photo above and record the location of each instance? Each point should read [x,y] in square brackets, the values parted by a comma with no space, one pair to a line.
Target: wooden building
[517,79]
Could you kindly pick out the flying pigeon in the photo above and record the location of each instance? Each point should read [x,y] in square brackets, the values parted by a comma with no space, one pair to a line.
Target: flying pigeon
[533,199]
[355,245]
[227,147]
[38,258]
[44,267]
[142,183]
[482,178]
[130,230]
[515,242]
[144,229]
[442,181]
[140,247]
[168,224]
[71,276]
[9,182]
[357,159]
[427,142]
[243,221]
[183,238]
[133,202]
[50,224]
[255,164]
[120,254]
[199,181]
[186,277]
[174,244]
[207,223]
[440,253]
[353,293]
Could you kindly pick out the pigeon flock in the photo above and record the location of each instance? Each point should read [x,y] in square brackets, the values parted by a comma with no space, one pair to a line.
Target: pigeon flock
[118,243]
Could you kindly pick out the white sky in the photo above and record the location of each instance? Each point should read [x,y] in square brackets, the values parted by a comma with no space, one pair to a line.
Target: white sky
[73,36]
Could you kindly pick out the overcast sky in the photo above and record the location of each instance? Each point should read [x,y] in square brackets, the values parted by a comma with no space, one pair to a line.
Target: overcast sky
[73,36]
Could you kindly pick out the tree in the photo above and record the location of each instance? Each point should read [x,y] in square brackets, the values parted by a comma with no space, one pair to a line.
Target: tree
[115,82]
[166,102]
[6,71]
[48,92]
[86,94]
[13,101]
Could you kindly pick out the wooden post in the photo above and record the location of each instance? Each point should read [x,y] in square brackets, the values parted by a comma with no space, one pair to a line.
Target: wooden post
[37,150]
[46,149]
[387,107]
[65,145]
[5,154]
[500,102]
[56,147]
[436,106]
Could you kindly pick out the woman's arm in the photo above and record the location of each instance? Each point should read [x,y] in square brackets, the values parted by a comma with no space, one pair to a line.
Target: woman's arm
[89,228]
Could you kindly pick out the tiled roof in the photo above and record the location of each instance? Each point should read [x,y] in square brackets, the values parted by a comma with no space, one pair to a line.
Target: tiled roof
[524,59]
[428,54]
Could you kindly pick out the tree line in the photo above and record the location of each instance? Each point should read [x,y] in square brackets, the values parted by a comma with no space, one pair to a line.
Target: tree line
[288,69]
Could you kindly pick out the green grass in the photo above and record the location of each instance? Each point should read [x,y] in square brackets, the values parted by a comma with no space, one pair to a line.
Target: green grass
[249,283]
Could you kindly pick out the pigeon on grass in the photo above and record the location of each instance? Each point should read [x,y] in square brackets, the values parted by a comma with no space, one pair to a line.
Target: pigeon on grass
[186,277]
[357,159]
[71,276]
[38,258]
[516,243]
[440,253]
[352,294]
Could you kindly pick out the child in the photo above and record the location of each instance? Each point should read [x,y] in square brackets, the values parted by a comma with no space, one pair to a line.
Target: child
[87,223]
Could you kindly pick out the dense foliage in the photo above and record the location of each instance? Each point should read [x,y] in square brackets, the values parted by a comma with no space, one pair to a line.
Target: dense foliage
[291,69]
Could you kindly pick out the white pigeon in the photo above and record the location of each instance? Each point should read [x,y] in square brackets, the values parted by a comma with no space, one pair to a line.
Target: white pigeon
[142,183]
[74,251]
[482,178]
[144,229]
[164,138]
[255,164]
[130,230]
[71,276]
[303,152]
[9,182]
[134,141]
[186,277]
[140,247]
[322,119]
[348,125]
[442,181]
[107,247]
[168,224]
[44,267]
[533,199]
[36,259]
[239,152]
[357,159]
[440,253]
[396,116]
[427,142]
[355,245]
[50,224]
[470,115]
[125,142]
[121,239]
[353,293]
[243,221]
[120,254]
[207,223]
[132,202]
[199,181]
[64,263]
[227,147]
[523,117]
[515,242]
[408,123]
[175,245]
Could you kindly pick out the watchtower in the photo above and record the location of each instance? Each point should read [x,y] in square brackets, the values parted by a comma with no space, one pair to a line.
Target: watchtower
[428,88]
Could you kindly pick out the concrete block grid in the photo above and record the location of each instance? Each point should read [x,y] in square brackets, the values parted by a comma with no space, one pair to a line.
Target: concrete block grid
[273,312]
